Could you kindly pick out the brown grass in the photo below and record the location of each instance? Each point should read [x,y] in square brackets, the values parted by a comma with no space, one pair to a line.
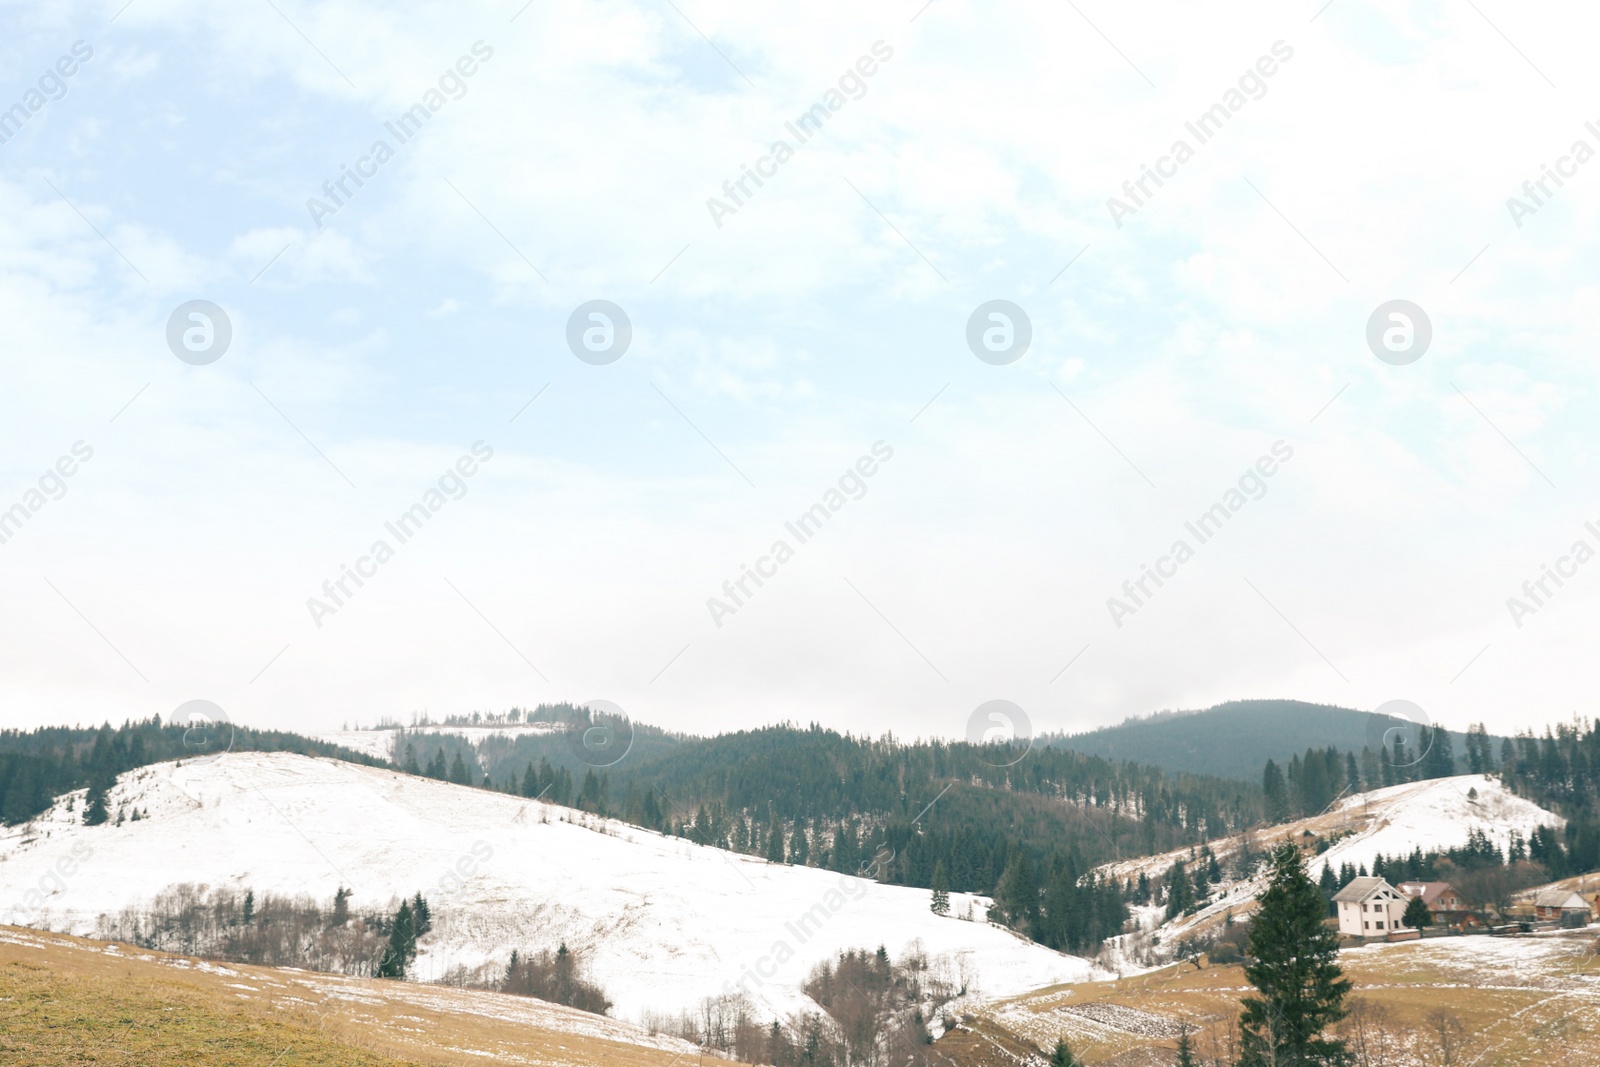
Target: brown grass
[1519,1002]
[69,1001]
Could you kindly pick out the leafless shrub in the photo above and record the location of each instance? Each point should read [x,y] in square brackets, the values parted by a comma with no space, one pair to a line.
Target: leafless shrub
[1448,1036]
[1369,1031]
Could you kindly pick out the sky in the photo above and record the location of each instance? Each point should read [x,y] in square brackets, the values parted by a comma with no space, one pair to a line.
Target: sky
[606,382]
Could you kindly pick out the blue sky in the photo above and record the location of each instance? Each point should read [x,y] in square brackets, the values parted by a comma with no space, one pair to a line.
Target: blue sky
[771,352]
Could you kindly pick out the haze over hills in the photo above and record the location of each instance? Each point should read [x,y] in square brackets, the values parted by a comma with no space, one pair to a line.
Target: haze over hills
[1236,739]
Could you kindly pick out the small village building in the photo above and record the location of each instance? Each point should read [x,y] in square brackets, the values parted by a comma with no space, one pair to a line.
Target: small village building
[1560,905]
[1370,907]
[1442,900]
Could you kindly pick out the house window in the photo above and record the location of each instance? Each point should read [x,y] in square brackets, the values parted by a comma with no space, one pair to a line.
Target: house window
[1380,924]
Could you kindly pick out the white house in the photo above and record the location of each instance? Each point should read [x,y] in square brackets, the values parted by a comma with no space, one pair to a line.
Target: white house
[1370,907]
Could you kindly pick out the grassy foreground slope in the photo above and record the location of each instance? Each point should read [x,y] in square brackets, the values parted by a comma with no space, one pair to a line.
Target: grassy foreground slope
[65,1001]
[1509,1002]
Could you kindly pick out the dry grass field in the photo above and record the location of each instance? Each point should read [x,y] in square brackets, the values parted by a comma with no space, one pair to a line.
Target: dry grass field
[1449,1002]
[68,1001]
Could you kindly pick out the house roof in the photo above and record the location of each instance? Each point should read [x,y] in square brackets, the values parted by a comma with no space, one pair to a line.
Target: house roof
[1361,889]
[1559,898]
[1430,892]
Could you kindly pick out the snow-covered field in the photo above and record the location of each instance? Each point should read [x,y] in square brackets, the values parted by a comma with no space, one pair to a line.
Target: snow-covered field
[664,922]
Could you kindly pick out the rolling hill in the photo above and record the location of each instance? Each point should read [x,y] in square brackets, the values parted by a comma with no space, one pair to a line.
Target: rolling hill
[1235,740]
[664,923]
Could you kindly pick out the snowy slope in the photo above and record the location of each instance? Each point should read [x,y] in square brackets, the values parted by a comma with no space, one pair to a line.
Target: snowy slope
[1435,814]
[664,922]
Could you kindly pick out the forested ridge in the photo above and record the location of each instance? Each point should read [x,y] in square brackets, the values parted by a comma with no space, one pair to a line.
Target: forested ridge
[1026,824]
[38,765]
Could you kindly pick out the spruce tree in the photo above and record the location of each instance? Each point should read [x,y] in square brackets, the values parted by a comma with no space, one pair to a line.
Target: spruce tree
[1179,894]
[94,811]
[799,851]
[1417,914]
[1061,1055]
[941,890]
[458,771]
[1293,967]
[402,944]
[775,844]
[341,907]
[249,906]
[1185,1048]
[1277,794]
[421,915]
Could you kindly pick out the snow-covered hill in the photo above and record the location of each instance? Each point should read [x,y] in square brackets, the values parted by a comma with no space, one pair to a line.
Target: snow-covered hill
[664,922]
[1439,814]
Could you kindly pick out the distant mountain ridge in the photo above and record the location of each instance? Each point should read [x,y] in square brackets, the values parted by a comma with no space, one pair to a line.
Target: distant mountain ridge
[1235,739]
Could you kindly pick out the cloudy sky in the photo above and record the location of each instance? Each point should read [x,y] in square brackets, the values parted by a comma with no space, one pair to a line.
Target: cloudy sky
[1358,153]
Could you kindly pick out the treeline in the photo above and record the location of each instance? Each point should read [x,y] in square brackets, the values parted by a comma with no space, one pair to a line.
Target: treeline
[275,931]
[1314,781]
[833,799]
[39,765]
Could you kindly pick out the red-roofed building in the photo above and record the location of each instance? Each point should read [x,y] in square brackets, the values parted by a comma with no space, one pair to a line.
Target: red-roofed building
[1444,903]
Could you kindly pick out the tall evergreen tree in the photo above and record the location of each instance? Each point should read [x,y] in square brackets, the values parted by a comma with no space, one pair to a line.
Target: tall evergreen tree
[799,849]
[775,844]
[1293,967]
[402,947]
[1179,892]
[1277,794]
[941,890]
[341,907]
[1417,914]
[1185,1048]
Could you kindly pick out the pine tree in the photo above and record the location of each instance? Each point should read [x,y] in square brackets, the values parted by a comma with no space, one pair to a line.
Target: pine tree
[249,906]
[1179,893]
[341,907]
[458,770]
[1329,886]
[941,890]
[1293,966]
[775,844]
[94,811]
[1417,914]
[1061,1055]
[799,851]
[410,765]
[421,914]
[1277,794]
[402,944]
[1185,1048]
